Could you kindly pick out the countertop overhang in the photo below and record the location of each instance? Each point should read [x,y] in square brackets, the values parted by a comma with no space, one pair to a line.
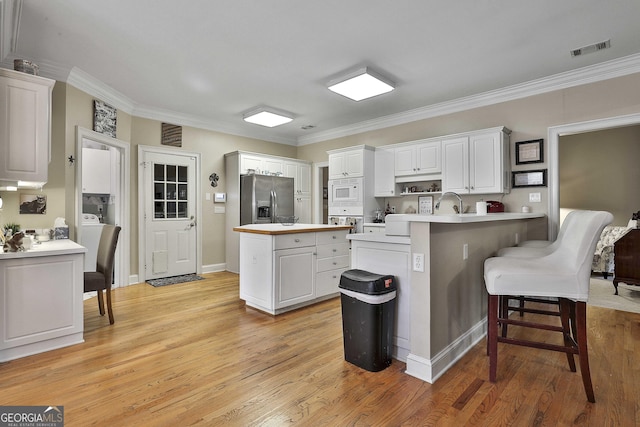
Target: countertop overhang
[275,229]
[48,248]
[462,218]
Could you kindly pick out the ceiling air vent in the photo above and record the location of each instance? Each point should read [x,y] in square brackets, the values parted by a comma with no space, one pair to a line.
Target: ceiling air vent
[591,48]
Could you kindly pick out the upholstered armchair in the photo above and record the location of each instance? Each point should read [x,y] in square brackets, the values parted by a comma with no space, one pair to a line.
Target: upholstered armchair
[603,257]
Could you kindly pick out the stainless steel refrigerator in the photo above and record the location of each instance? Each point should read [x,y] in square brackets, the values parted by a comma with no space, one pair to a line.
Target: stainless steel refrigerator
[264,198]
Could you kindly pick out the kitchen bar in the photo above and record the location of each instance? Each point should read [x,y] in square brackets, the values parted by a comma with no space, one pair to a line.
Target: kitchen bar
[438,261]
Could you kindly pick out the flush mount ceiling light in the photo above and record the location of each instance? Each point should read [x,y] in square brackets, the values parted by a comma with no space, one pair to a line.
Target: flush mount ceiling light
[267,116]
[361,84]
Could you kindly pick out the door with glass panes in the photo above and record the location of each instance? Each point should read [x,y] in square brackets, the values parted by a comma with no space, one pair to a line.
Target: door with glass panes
[170,214]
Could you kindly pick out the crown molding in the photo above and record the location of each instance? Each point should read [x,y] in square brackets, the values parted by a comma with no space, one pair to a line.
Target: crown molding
[591,74]
[94,87]
[175,118]
[89,84]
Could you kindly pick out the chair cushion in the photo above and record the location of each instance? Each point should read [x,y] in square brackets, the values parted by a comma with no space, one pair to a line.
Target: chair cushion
[94,281]
[531,277]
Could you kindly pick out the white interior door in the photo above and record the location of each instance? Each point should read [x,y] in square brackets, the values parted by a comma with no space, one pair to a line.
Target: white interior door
[170,221]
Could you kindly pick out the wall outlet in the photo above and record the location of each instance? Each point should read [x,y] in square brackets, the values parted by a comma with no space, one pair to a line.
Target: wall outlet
[534,197]
[465,251]
[418,262]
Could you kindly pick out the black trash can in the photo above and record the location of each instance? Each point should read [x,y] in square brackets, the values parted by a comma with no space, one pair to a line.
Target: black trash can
[368,311]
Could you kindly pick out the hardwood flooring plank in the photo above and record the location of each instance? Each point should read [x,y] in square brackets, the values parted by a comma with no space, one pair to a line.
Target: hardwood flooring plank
[194,354]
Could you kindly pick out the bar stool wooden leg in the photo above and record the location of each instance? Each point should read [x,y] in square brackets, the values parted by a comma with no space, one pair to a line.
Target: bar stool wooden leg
[565,315]
[581,326]
[492,336]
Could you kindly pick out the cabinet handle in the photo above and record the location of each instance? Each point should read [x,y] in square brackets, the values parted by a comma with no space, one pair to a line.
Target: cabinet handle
[334,237]
[297,240]
[335,263]
[335,250]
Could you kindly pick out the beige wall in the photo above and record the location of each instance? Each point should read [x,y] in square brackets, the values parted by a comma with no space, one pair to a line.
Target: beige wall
[528,118]
[600,171]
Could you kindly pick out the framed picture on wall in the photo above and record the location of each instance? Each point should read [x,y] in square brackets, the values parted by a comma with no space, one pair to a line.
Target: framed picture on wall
[33,204]
[529,152]
[536,178]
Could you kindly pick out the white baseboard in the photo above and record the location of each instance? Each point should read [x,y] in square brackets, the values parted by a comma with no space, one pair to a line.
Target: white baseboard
[430,370]
[214,268]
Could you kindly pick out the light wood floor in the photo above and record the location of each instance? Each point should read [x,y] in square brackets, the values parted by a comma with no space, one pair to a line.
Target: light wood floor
[193,354]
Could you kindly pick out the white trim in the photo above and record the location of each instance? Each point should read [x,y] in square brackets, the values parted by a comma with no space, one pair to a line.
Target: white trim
[555,133]
[124,214]
[430,370]
[590,74]
[142,149]
[214,268]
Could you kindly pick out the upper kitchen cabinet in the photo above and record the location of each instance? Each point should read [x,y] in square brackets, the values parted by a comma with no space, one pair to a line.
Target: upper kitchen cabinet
[350,162]
[418,159]
[96,171]
[25,128]
[301,173]
[251,163]
[477,163]
[385,180]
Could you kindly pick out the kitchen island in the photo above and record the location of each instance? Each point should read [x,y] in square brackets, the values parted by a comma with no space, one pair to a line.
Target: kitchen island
[41,294]
[284,267]
[442,303]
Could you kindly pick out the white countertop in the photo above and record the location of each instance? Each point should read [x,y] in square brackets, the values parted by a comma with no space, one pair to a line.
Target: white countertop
[51,247]
[380,238]
[287,229]
[462,218]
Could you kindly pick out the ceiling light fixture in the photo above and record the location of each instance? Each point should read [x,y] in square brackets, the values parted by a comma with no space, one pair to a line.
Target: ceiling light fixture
[267,116]
[361,84]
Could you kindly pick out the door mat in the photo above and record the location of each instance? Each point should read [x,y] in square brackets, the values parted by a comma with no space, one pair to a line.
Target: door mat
[173,280]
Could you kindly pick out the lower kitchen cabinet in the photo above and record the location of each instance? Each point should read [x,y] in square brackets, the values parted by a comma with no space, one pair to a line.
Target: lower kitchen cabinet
[281,272]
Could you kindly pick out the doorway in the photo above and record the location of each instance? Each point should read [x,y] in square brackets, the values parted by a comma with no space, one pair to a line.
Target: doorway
[169,207]
[103,191]
[554,139]
[321,200]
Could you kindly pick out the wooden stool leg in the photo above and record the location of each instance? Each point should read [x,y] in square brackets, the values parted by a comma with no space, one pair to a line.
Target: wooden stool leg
[565,315]
[109,309]
[581,326]
[504,312]
[492,336]
[100,302]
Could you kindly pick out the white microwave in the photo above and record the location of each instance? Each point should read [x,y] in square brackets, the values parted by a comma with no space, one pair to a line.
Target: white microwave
[345,192]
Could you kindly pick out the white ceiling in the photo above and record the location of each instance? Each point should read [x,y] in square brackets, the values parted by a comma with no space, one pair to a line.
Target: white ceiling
[208,61]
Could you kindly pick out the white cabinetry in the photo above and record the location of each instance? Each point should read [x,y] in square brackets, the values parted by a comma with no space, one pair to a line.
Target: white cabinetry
[346,164]
[382,257]
[96,171]
[418,159]
[477,163]
[25,128]
[384,181]
[238,163]
[333,259]
[282,272]
[41,301]
[301,173]
[260,164]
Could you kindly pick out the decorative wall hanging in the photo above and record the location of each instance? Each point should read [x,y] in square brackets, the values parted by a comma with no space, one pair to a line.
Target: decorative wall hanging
[33,204]
[529,152]
[171,135]
[537,178]
[104,118]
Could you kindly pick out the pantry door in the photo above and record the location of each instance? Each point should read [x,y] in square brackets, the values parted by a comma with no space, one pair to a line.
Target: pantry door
[170,237]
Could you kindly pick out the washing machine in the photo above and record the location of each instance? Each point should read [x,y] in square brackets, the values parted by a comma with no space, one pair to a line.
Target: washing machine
[91,229]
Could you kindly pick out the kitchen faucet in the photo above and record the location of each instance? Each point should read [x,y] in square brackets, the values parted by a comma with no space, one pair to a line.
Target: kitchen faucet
[454,194]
